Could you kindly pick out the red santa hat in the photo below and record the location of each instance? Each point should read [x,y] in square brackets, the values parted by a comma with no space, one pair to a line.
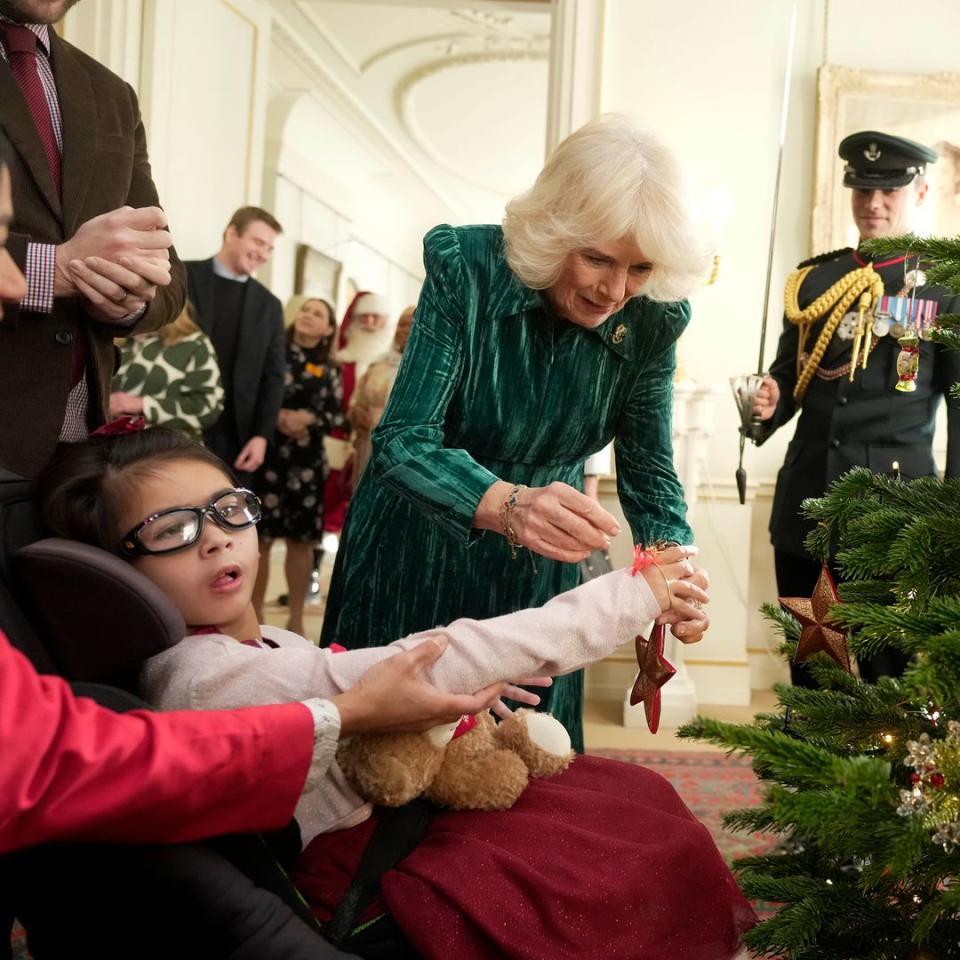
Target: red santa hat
[371,303]
[363,302]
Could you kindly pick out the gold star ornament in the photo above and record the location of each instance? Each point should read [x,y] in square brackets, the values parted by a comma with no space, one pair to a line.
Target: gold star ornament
[819,633]
[655,671]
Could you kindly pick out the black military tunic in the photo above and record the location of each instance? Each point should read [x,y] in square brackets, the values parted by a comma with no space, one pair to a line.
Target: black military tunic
[864,423]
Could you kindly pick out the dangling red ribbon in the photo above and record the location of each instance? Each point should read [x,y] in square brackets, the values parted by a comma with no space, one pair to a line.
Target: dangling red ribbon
[654,669]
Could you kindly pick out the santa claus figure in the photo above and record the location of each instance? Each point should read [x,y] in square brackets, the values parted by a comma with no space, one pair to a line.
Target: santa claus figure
[365,336]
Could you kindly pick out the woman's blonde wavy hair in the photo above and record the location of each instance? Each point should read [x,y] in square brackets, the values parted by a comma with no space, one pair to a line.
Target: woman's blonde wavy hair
[186,324]
[607,181]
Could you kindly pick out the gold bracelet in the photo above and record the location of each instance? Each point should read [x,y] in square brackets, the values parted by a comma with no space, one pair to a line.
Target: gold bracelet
[506,519]
[650,557]
[660,546]
[659,570]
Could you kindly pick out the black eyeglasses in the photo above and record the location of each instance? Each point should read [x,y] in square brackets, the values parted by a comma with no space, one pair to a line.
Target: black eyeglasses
[180,527]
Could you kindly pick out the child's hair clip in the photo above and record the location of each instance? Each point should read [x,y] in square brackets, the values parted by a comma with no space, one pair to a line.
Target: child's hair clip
[120,426]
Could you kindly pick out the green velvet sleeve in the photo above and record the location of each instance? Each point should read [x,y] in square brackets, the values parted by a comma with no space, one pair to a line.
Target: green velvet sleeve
[650,491]
[409,455]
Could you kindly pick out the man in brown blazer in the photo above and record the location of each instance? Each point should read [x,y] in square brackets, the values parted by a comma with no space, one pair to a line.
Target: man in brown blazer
[96,252]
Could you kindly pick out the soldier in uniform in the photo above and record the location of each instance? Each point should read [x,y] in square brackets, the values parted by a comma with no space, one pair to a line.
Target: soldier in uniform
[845,311]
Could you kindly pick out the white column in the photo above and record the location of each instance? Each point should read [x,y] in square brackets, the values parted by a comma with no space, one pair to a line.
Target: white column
[692,428]
[575,61]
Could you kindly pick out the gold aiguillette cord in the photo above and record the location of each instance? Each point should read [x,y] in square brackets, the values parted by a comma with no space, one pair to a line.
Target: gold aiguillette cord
[864,334]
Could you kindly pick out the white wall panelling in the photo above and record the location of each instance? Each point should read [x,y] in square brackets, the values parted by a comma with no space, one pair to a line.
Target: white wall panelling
[204,94]
[109,31]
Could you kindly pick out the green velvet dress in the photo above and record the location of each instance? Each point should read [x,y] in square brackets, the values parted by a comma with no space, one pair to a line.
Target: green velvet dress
[493,386]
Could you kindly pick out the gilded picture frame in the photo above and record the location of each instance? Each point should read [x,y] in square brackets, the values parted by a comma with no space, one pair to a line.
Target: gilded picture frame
[923,107]
[316,274]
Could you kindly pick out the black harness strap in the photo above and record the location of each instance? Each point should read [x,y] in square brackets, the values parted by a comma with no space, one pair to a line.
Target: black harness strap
[400,829]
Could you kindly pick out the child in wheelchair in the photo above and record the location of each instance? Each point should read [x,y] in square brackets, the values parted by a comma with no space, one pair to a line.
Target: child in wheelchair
[602,860]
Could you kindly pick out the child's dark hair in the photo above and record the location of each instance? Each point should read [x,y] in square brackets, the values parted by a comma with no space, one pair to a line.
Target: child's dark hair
[84,489]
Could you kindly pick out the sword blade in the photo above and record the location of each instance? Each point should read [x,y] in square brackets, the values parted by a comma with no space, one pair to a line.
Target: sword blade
[784,114]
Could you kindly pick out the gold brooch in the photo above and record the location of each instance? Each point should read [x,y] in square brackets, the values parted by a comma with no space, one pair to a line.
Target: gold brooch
[619,333]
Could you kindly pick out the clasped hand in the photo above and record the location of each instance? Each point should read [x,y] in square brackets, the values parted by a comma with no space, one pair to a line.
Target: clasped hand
[295,423]
[563,524]
[766,399]
[681,592]
[116,262]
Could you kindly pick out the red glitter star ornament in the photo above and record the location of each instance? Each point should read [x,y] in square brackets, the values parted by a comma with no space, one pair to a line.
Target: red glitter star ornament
[819,633]
[655,671]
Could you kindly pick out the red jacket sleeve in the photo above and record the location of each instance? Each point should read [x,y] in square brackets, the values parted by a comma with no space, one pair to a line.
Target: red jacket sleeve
[70,769]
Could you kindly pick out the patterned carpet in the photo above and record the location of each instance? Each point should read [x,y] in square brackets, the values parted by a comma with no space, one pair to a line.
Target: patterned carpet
[710,784]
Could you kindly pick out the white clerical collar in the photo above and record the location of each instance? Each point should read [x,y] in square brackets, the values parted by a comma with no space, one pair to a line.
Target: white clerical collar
[221,270]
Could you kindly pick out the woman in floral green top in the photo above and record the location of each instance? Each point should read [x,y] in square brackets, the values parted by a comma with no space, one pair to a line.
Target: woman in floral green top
[534,345]
[170,377]
[291,479]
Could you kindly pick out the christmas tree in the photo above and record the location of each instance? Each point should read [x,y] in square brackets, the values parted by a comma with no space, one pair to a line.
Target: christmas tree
[863,781]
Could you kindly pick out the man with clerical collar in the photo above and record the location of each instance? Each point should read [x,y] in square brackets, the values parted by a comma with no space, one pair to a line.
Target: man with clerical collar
[837,364]
[244,320]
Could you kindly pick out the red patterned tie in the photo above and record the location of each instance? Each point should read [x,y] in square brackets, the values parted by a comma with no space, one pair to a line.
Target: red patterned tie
[21,47]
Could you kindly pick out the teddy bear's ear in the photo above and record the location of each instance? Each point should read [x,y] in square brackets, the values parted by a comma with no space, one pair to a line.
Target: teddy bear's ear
[540,740]
[389,768]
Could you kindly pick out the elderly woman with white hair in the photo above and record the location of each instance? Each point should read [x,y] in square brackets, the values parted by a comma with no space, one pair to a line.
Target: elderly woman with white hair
[534,345]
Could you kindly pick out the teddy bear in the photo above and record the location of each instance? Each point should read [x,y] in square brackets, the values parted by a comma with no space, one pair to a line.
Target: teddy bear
[475,764]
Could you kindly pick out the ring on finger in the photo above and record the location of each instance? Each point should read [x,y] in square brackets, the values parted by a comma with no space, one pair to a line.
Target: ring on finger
[697,603]
[123,299]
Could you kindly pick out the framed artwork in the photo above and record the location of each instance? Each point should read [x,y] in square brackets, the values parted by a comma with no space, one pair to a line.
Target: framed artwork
[317,275]
[923,107]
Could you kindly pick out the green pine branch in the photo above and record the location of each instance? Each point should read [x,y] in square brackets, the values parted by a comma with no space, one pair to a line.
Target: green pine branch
[862,881]
[941,910]
[946,274]
[936,253]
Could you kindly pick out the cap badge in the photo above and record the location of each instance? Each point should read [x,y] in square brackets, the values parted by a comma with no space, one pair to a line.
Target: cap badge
[872,152]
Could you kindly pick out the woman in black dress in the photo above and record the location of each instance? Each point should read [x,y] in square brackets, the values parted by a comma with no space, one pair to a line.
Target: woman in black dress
[293,474]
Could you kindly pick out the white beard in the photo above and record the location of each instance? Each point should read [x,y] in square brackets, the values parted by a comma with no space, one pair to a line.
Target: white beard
[365,346]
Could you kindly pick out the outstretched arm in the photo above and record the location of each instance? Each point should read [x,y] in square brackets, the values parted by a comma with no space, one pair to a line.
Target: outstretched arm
[569,631]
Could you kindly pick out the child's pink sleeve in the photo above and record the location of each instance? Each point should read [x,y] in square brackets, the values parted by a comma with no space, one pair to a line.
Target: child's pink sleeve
[568,632]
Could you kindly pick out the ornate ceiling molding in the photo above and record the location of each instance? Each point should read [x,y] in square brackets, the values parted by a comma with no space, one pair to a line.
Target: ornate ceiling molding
[350,109]
[446,43]
[488,19]
[496,52]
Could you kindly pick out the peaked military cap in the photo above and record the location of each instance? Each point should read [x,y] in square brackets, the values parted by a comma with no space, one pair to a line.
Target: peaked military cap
[879,161]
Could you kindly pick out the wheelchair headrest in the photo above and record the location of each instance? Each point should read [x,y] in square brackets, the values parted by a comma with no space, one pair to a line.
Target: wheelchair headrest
[19,525]
[98,616]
